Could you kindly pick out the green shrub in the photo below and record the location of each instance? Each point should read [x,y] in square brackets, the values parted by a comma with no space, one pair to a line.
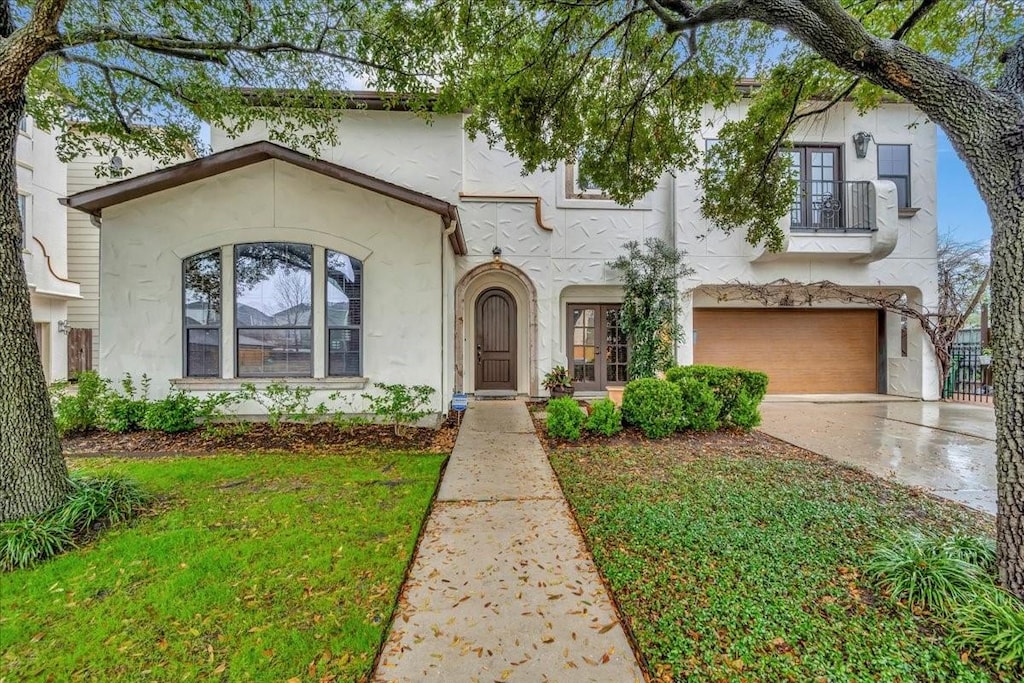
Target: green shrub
[605,418]
[923,572]
[124,412]
[653,405]
[700,405]
[213,408]
[745,414]
[727,383]
[93,501]
[79,410]
[176,413]
[283,402]
[400,404]
[565,418]
[992,627]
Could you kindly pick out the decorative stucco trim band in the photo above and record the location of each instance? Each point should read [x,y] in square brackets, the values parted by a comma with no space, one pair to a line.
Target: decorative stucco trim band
[516,198]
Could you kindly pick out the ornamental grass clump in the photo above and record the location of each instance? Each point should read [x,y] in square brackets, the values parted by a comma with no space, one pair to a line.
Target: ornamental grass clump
[565,418]
[991,627]
[953,578]
[94,503]
[922,572]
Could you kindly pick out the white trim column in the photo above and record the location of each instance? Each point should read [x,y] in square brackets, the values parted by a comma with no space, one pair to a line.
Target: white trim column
[227,312]
[318,311]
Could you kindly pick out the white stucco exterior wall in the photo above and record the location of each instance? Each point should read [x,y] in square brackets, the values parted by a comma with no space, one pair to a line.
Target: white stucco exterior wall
[144,241]
[42,181]
[564,254]
[84,239]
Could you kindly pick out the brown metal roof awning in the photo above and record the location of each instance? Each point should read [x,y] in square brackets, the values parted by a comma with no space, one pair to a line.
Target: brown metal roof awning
[95,200]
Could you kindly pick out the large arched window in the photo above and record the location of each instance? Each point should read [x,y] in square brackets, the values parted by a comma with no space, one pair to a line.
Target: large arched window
[202,315]
[282,293]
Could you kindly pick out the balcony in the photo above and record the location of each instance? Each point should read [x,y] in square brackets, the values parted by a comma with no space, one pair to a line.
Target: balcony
[833,206]
[852,220]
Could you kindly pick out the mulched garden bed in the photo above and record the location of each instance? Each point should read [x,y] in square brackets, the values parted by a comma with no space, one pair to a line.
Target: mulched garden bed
[261,437]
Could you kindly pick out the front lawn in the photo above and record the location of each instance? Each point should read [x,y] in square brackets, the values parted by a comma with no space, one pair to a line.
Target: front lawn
[261,567]
[738,558]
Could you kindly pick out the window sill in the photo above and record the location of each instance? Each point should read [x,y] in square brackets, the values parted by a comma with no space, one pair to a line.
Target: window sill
[234,384]
[908,212]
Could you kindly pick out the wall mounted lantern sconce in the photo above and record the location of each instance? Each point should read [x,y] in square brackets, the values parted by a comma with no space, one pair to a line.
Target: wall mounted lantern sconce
[860,143]
[496,253]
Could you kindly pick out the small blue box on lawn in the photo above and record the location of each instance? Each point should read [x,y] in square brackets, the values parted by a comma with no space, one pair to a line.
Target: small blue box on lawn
[460,402]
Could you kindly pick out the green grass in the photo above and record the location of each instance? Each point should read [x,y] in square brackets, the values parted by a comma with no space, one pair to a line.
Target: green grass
[261,567]
[742,561]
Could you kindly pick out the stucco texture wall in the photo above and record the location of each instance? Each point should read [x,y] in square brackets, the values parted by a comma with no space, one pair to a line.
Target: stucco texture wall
[143,242]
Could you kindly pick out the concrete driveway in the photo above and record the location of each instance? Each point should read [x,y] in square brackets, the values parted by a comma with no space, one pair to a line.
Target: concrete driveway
[946,448]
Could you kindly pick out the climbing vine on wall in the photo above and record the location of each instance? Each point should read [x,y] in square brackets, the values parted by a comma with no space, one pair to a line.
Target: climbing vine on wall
[650,276]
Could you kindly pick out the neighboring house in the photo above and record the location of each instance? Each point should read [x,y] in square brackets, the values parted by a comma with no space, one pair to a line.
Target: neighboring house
[42,182]
[428,258]
[84,248]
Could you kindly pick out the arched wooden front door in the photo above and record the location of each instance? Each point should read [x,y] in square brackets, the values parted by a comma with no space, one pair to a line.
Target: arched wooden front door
[495,346]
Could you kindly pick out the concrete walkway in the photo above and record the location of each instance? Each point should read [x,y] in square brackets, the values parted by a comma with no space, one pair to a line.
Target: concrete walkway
[502,587]
[946,448]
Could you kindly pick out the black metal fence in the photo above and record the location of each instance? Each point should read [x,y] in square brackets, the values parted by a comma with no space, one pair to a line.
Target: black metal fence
[833,206]
[970,373]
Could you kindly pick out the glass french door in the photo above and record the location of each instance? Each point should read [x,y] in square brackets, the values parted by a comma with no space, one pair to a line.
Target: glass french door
[818,197]
[598,350]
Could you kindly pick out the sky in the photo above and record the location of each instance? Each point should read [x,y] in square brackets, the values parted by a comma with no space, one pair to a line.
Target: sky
[961,211]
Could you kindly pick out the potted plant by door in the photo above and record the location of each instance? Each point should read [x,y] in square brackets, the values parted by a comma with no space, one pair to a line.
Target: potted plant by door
[559,382]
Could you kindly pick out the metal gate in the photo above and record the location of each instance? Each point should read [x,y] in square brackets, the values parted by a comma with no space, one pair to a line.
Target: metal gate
[970,373]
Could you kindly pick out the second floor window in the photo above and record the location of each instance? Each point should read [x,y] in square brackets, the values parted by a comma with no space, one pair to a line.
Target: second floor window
[894,165]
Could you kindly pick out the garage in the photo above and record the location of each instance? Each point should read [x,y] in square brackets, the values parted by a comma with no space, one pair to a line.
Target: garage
[820,351]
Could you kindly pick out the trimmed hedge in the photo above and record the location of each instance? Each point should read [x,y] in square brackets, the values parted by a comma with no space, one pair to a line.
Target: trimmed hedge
[727,383]
[605,418]
[653,405]
[700,405]
[565,418]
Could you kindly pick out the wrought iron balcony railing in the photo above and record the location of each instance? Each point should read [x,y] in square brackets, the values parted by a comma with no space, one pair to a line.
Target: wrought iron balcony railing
[833,206]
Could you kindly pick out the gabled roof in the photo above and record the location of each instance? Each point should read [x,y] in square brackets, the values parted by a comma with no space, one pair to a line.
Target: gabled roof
[95,200]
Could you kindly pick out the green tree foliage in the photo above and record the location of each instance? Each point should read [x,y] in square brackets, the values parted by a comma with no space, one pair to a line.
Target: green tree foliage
[650,279]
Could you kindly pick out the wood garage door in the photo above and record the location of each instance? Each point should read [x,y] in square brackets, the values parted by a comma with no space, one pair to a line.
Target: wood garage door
[803,351]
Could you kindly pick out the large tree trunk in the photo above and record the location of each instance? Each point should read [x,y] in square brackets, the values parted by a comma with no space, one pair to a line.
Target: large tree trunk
[33,475]
[1007,210]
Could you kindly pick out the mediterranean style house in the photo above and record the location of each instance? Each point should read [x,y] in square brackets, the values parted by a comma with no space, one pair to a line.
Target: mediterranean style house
[408,253]
[42,182]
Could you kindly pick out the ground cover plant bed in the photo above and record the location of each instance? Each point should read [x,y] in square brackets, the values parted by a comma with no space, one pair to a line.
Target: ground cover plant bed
[248,567]
[260,436]
[737,557]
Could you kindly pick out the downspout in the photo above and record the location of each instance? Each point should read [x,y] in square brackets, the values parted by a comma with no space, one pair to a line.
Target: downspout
[449,224]
[672,239]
